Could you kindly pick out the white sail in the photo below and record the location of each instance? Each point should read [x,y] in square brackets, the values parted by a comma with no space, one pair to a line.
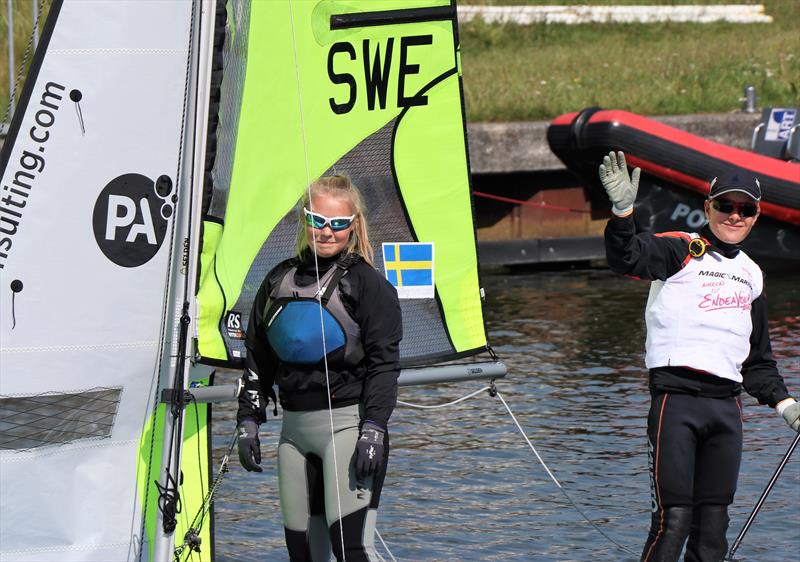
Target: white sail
[89,177]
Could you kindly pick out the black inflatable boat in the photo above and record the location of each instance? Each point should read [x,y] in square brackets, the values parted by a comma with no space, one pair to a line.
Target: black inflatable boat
[677,168]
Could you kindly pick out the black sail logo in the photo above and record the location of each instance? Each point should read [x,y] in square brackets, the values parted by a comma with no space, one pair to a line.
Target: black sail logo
[131,217]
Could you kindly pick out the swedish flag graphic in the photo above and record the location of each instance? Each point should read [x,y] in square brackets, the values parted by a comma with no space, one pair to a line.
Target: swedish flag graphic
[409,267]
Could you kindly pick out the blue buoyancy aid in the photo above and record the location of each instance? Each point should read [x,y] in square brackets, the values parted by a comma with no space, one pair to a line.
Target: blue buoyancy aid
[305,323]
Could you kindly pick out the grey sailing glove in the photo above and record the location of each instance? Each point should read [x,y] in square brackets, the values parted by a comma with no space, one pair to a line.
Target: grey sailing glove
[249,446]
[369,449]
[791,414]
[620,187]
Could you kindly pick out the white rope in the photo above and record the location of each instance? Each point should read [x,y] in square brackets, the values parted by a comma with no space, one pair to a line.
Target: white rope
[435,406]
[385,546]
[319,289]
[494,392]
[560,487]
[535,452]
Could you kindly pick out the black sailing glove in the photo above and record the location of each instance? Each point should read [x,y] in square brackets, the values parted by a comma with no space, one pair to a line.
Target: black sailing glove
[252,403]
[249,446]
[369,449]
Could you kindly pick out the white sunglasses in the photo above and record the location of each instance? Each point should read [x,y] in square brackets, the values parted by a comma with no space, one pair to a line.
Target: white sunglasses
[321,221]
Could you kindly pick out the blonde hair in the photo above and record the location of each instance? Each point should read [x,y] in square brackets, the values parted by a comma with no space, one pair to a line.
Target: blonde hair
[340,187]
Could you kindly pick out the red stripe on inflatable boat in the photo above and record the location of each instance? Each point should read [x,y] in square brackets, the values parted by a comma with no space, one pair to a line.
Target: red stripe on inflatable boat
[700,186]
[565,119]
[756,163]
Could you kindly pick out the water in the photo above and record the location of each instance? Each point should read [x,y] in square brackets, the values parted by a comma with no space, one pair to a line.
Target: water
[463,484]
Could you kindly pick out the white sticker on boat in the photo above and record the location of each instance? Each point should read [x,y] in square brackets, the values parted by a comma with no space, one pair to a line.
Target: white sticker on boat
[409,266]
[781,121]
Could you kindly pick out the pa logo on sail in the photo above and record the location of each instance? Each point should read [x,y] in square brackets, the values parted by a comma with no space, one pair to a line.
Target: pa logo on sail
[131,216]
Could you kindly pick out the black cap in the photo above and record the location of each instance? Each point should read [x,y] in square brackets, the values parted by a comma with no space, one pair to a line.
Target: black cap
[735,181]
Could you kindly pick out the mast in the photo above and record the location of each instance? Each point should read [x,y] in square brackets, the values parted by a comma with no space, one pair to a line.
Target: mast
[185,258]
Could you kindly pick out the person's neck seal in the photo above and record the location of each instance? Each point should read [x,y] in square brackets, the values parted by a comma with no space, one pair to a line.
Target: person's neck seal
[726,249]
[344,259]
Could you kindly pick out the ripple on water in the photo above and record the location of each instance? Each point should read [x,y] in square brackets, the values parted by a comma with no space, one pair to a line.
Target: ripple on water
[463,484]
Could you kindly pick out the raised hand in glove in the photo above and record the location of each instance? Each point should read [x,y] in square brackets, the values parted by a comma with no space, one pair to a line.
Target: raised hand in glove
[369,449]
[249,446]
[620,187]
[791,414]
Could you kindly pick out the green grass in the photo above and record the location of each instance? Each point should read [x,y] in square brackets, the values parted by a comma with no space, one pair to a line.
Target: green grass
[23,26]
[514,72]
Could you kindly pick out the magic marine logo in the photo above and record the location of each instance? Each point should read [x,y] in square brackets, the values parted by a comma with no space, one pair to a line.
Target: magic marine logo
[723,275]
[131,217]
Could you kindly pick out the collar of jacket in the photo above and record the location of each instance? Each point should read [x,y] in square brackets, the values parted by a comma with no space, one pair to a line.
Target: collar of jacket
[724,248]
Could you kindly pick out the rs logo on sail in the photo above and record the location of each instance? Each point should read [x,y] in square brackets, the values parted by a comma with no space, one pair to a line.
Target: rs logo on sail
[131,216]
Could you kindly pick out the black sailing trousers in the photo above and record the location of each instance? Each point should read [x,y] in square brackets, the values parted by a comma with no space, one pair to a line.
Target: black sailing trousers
[695,448]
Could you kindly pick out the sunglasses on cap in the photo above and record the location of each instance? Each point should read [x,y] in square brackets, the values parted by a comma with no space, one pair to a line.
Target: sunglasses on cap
[728,207]
[321,221]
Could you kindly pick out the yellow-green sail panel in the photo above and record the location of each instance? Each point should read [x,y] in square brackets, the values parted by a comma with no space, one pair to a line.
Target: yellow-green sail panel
[195,484]
[369,89]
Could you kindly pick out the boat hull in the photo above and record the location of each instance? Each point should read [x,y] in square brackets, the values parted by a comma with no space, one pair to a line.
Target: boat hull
[676,171]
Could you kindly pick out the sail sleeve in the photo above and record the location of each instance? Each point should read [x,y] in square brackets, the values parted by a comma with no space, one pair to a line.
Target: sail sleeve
[367,89]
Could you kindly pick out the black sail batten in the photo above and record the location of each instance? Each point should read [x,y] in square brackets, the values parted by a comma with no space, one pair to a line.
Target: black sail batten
[392,17]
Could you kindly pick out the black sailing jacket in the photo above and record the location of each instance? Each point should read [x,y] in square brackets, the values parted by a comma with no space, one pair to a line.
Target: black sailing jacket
[372,302]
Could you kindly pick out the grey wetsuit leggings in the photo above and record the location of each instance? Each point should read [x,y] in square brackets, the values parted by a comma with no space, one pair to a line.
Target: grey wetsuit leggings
[317,518]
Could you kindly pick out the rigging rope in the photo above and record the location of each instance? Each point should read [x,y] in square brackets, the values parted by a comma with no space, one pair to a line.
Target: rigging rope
[192,535]
[560,487]
[319,288]
[23,65]
[192,538]
[385,546]
[445,405]
[494,392]
[541,205]
[169,500]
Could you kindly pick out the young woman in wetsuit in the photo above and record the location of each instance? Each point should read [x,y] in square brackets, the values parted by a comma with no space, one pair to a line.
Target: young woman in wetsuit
[325,328]
[707,338]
